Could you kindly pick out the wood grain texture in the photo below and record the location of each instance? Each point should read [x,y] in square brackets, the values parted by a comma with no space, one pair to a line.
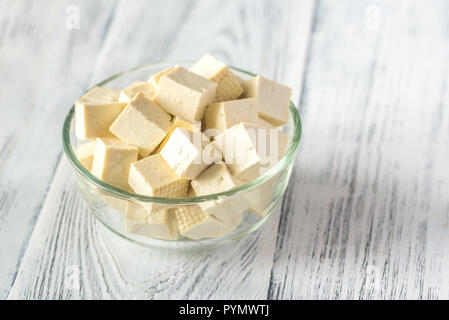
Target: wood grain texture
[367,210]
[367,213]
[44,66]
[261,36]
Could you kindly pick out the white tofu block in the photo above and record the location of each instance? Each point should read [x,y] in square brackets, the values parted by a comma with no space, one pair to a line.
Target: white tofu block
[273,99]
[142,123]
[239,79]
[249,149]
[135,212]
[158,225]
[215,179]
[218,179]
[185,152]
[239,147]
[228,86]
[223,115]
[112,159]
[275,139]
[85,154]
[152,176]
[116,203]
[95,112]
[263,123]
[154,79]
[146,88]
[184,93]
[284,140]
[179,122]
[260,197]
[194,223]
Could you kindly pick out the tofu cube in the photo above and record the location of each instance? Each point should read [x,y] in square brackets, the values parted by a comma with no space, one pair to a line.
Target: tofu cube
[179,122]
[239,147]
[95,112]
[146,88]
[158,225]
[116,203]
[154,79]
[278,142]
[85,154]
[143,124]
[223,115]
[273,99]
[135,212]
[239,79]
[228,86]
[189,153]
[112,159]
[152,176]
[184,93]
[263,123]
[218,179]
[249,149]
[194,223]
[260,198]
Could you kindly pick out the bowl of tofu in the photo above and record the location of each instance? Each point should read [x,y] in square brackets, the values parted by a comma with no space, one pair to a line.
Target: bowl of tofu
[183,154]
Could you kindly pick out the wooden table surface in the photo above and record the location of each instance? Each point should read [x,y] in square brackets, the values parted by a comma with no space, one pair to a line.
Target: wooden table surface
[366,213]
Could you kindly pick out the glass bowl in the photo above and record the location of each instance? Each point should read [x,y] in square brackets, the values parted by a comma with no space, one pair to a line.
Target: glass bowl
[109,203]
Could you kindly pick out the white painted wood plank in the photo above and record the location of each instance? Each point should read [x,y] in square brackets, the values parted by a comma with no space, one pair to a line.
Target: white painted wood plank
[44,65]
[109,266]
[368,212]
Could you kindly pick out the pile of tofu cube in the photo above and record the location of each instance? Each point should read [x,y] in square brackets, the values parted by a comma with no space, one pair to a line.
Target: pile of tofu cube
[184,133]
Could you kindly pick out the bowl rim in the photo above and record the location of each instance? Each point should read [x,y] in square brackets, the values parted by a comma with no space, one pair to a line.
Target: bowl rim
[288,157]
